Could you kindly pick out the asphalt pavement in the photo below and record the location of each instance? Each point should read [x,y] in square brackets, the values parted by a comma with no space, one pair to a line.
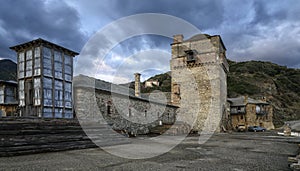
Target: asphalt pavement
[223,151]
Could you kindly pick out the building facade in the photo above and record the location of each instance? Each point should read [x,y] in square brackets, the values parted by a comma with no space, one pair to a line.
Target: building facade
[121,108]
[151,83]
[199,69]
[45,73]
[246,111]
[8,98]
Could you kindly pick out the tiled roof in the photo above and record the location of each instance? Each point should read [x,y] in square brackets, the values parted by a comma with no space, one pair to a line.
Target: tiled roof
[89,82]
[40,41]
[241,101]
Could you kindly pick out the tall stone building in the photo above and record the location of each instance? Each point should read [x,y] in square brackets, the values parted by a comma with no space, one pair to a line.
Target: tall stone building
[45,73]
[199,68]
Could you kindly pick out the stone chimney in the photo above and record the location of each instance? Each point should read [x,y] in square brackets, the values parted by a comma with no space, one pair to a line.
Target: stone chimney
[246,99]
[177,38]
[137,84]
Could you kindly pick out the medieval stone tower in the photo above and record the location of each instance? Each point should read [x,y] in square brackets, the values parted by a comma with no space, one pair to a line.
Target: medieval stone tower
[199,68]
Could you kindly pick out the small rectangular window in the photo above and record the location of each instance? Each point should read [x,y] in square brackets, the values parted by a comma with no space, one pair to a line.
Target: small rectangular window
[190,56]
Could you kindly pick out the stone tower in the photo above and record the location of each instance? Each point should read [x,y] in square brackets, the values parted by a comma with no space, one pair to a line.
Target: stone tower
[45,74]
[199,69]
[137,84]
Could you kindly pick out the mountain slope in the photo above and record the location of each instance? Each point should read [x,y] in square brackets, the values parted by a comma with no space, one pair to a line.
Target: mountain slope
[8,70]
[279,84]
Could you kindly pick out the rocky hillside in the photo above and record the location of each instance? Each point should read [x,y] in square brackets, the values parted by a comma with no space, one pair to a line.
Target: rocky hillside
[8,70]
[279,84]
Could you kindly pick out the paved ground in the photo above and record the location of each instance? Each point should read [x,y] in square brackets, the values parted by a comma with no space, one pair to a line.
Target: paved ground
[236,151]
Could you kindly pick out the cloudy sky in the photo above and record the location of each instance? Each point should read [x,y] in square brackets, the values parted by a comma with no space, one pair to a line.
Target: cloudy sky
[251,30]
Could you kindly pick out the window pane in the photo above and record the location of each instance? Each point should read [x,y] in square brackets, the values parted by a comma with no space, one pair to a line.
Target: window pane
[21,85]
[21,57]
[28,55]
[37,71]
[21,66]
[68,69]
[37,52]
[58,74]
[68,86]
[37,63]
[1,95]
[47,82]
[48,72]
[68,60]
[47,113]
[57,56]
[29,73]
[68,113]
[47,52]
[58,113]
[68,77]
[58,85]
[47,63]
[21,74]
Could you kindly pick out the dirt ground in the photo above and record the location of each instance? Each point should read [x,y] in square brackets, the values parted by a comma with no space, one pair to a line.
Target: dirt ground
[223,151]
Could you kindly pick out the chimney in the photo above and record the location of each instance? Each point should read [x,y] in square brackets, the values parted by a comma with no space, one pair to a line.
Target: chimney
[246,99]
[177,38]
[137,85]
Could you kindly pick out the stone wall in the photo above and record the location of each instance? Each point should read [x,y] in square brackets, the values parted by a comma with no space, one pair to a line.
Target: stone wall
[259,120]
[120,112]
[250,118]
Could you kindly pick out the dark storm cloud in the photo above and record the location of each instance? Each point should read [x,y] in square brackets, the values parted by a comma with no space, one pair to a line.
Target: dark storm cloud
[251,30]
[245,26]
[22,21]
[260,30]
[204,14]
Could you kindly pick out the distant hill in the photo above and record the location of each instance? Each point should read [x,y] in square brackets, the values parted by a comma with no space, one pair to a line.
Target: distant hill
[279,84]
[8,70]
[163,79]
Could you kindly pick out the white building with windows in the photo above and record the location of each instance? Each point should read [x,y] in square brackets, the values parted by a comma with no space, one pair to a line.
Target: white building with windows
[45,72]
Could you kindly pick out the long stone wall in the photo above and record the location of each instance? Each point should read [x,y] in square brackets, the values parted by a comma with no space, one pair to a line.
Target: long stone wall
[120,112]
[133,114]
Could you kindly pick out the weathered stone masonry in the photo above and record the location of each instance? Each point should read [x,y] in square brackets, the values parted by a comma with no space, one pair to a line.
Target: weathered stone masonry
[120,111]
[199,68]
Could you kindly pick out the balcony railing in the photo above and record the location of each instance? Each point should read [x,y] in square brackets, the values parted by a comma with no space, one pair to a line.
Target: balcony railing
[261,112]
[237,111]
